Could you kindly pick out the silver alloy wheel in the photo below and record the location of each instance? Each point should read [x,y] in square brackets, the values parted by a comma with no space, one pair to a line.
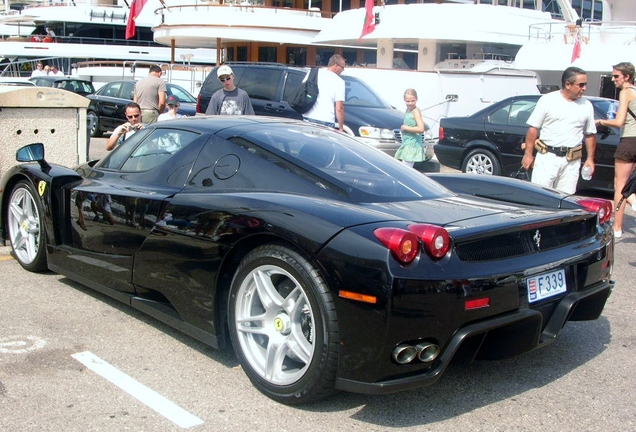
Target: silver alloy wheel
[24,226]
[480,163]
[275,325]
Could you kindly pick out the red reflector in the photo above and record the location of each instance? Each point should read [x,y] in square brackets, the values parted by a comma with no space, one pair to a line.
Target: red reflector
[477,303]
[358,297]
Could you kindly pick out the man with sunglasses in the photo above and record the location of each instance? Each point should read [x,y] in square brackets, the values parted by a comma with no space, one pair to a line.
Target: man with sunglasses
[229,100]
[125,131]
[564,120]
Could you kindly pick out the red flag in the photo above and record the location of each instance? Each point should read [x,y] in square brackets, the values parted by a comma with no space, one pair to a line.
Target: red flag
[576,50]
[135,10]
[369,19]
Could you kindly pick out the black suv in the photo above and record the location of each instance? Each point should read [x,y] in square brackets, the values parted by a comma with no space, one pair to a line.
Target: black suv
[271,85]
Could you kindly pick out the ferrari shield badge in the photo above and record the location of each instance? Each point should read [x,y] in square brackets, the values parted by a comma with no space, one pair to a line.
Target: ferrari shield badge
[41,187]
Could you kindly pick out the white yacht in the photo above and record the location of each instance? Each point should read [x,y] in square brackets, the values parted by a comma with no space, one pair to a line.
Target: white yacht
[593,38]
[69,31]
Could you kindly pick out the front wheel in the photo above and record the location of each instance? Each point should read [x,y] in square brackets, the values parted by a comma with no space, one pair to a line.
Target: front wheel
[480,161]
[26,229]
[93,121]
[283,325]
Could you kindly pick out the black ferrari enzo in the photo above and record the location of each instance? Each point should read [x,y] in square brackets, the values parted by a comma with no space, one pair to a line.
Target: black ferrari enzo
[326,264]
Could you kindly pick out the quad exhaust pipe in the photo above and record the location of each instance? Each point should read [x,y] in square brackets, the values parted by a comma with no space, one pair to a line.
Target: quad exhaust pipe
[425,352]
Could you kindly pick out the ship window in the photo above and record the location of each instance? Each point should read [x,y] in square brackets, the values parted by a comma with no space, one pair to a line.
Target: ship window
[241,53]
[589,9]
[267,54]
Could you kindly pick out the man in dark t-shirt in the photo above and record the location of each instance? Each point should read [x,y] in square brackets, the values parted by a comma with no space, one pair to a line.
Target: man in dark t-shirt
[230,100]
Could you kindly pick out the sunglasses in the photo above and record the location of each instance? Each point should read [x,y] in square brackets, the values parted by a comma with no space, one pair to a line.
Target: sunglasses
[581,85]
[616,76]
[223,79]
[132,116]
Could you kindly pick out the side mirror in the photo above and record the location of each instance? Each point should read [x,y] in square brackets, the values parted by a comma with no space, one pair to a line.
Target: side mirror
[33,153]
[30,153]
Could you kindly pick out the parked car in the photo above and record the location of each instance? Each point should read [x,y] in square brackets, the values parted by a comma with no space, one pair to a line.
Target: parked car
[108,105]
[75,85]
[489,141]
[271,85]
[322,261]
[11,81]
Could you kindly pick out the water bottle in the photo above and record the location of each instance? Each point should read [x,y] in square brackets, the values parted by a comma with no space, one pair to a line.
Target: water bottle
[586,173]
[611,110]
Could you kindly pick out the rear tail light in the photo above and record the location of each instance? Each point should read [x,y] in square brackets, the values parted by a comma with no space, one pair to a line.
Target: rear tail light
[600,206]
[405,244]
[435,239]
[441,133]
[199,103]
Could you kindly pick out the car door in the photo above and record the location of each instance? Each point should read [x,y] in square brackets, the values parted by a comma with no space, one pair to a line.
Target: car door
[506,128]
[109,106]
[120,201]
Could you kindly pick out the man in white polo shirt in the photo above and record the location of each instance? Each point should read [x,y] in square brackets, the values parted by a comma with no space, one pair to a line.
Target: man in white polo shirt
[564,119]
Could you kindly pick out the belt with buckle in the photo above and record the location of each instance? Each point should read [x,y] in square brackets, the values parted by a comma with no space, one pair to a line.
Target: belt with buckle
[320,122]
[559,151]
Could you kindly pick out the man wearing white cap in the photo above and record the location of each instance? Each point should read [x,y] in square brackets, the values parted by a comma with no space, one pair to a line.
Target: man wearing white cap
[230,100]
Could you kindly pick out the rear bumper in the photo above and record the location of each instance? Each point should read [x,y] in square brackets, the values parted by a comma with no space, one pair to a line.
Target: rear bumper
[503,336]
[451,156]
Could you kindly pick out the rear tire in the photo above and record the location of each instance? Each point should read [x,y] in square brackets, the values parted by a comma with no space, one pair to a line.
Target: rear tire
[283,326]
[26,228]
[480,161]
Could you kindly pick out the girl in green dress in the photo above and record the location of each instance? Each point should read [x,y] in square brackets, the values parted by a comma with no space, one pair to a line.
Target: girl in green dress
[411,150]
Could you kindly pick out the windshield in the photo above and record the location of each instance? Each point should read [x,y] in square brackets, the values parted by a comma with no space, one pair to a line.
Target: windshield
[359,94]
[180,93]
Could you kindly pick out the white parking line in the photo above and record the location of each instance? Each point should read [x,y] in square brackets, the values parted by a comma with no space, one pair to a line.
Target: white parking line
[154,400]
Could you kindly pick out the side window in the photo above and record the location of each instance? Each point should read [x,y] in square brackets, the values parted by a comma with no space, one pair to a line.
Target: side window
[261,83]
[500,116]
[293,82]
[112,89]
[520,112]
[158,147]
[128,91]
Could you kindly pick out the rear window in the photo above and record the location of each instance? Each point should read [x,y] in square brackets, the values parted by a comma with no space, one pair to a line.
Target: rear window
[365,174]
